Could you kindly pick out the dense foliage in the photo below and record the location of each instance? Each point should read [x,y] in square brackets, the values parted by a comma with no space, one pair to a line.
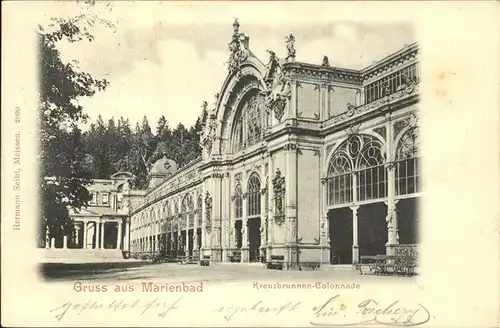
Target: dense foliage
[68,158]
[62,154]
[113,146]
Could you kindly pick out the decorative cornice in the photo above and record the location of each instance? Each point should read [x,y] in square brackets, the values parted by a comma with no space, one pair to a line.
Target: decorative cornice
[305,71]
[373,106]
[391,63]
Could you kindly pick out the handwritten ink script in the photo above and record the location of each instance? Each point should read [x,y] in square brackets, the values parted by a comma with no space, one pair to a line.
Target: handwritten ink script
[258,307]
[155,307]
[336,312]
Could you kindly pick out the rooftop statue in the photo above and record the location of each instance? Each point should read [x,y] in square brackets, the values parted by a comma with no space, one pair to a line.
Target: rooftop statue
[326,62]
[290,47]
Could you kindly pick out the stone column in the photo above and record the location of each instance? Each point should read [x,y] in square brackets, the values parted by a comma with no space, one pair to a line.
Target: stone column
[150,236]
[226,217]
[197,213]
[391,218]
[47,237]
[84,234]
[179,232]
[97,231]
[204,232]
[126,246]
[77,232]
[186,245]
[103,225]
[52,243]
[270,220]
[323,110]
[324,225]
[119,236]
[216,218]
[325,238]
[245,256]
[65,242]
[294,99]
[355,244]
[232,221]
[291,205]
[156,239]
[263,212]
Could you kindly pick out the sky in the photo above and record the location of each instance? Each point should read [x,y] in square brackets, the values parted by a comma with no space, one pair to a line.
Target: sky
[166,59]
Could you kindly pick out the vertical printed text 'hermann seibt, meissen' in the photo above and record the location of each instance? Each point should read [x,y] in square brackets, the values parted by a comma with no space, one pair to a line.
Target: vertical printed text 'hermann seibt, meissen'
[17,171]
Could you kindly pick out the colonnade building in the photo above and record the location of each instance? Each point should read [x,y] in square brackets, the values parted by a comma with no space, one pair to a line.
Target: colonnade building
[103,227]
[316,163]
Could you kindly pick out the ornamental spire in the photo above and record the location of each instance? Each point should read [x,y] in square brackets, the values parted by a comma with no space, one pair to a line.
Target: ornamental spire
[238,54]
[236,26]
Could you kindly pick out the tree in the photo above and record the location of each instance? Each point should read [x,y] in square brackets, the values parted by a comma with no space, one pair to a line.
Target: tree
[64,176]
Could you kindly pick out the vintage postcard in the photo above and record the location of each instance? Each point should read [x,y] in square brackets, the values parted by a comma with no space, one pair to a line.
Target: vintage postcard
[331,164]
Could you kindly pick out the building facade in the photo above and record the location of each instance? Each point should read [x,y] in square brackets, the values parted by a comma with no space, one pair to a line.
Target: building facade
[316,163]
[104,224]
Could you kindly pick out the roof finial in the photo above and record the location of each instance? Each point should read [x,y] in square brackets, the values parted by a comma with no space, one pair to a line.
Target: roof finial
[236,26]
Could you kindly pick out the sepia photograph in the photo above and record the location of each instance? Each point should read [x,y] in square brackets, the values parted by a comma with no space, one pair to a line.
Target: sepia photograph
[264,171]
[294,164]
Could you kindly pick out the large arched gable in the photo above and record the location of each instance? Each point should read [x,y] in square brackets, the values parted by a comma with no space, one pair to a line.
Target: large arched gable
[250,79]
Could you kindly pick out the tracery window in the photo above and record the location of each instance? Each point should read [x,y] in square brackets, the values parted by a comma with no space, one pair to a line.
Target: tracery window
[253,195]
[199,204]
[175,218]
[186,211]
[238,202]
[371,177]
[248,126]
[238,134]
[407,163]
[357,163]
[340,179]
[166,210]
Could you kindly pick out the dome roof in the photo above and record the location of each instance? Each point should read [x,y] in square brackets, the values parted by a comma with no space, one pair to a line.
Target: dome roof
[163,166]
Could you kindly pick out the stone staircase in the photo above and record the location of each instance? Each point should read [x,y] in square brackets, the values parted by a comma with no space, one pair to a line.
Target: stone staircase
[81,255]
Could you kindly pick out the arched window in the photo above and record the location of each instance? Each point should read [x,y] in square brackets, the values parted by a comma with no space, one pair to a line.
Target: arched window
[407,163]
[248,123]
[175,218]
[186,210]
[166,210]
[253,195]
[238,140]
[199,204]
[361,156]
[340,179]
[238,202]
[371,175]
